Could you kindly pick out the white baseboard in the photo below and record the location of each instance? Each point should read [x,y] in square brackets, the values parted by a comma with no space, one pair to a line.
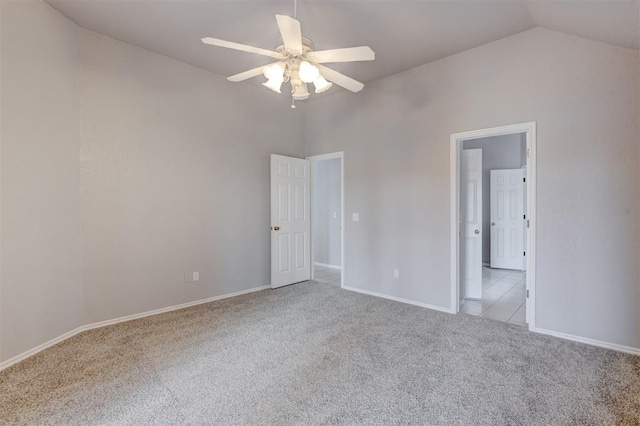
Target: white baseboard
[586,340]
[399,299]
[593,342]
[39,348]
[170,308]
[326,265]
[54,341]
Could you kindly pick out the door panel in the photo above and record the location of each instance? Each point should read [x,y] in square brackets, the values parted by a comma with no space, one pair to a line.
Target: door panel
[300,251]
[472,224]
[290,220]
[507,219]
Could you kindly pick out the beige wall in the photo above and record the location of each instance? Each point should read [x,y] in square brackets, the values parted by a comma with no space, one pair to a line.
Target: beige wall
[175,178]
[40,280]
[395,135]
[121,171]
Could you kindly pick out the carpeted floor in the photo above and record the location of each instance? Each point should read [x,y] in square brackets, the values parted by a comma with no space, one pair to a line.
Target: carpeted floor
[315,354]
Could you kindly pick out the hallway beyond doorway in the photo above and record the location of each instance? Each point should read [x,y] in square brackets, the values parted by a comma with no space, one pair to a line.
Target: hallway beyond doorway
[503,297]
[326,275]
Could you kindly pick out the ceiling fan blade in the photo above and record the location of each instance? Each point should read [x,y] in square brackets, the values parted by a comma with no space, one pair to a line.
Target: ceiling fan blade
[348,54]
[291,33]
[237,46]
[247,74]
[340,79]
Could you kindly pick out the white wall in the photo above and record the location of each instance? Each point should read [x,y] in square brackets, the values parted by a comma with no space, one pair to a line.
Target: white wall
[41,280]
[395,135]
[327,211]
[498,153]
[175,178]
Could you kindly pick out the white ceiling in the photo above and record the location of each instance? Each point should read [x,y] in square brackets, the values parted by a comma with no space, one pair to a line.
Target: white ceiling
[403,34]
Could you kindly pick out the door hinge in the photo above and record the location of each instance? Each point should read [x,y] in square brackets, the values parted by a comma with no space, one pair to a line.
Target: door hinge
[524,253]
[528,153]
[527,294]
[524,216]
[528,223]
[524,179]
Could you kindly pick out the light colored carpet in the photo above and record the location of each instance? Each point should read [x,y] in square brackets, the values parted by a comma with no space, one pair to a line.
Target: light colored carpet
[315,354]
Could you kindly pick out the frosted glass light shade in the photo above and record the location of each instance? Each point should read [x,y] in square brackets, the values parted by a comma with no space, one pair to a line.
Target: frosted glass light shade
[307,72]
[274,84]
[321,84]
[274,71]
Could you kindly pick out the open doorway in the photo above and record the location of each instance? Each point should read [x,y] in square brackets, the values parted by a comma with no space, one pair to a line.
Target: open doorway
[327,218]
[493,181]
[494,209]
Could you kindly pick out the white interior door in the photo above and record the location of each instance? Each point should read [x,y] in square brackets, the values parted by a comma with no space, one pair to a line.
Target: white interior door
[507,219]
[290,220]
[472,223]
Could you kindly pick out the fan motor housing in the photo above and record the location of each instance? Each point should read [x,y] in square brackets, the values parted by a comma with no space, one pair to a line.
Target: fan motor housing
[307,46]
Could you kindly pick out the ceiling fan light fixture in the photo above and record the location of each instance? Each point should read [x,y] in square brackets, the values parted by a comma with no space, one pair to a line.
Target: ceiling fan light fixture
[321,84]
[307,72]
[298,63]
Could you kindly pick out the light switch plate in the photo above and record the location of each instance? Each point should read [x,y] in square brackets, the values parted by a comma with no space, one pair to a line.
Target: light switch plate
[355,217]
[196,276]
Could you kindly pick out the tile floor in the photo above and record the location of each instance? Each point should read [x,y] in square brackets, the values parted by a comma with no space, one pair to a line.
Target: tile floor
[327,275]
[503,297]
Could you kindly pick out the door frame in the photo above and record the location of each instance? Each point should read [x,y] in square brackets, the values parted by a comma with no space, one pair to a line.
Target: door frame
[457,139]
[313,159]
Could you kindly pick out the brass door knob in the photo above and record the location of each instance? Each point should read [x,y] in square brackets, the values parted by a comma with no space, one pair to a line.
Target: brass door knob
[276,228]
[476,231]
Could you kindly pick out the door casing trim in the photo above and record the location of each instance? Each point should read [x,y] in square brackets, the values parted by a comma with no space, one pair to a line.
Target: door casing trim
[529,129]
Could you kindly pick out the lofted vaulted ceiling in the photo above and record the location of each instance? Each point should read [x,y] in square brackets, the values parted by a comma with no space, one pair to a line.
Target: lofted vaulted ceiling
[403,34]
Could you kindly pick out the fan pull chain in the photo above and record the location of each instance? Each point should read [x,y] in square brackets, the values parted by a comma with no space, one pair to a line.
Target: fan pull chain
[295,9]
[293,103]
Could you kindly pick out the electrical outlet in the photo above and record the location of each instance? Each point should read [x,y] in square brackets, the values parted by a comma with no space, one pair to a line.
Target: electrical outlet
[355,217]
[196,276]
[187,277]
[396,273]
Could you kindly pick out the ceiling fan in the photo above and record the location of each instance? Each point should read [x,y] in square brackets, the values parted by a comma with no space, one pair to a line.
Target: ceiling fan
[298,63]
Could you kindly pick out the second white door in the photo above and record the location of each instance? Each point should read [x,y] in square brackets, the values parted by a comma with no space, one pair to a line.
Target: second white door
[507,219]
